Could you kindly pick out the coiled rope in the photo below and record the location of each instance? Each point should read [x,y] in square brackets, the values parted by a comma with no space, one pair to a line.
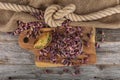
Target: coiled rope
[55,15]
[17,8]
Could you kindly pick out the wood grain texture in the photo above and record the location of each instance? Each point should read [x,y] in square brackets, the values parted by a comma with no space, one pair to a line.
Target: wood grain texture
[18,64]
[111,35]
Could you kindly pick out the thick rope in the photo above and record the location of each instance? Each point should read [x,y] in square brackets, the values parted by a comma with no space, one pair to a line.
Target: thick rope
[17,8]
[55,15]
[53,18]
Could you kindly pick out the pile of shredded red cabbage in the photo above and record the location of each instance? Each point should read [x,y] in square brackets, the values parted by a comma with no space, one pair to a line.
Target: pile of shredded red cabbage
[65,43]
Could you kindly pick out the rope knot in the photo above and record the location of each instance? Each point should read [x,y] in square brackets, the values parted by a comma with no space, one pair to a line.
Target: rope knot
[55,15]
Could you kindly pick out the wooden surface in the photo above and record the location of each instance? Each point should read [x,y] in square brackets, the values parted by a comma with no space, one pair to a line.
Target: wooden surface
[87,51]
[18,64]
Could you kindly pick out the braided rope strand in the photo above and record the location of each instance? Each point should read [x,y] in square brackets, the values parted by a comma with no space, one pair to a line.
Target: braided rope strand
[49,16]
[55,15]
[94,16]
[17,8]
[67,12]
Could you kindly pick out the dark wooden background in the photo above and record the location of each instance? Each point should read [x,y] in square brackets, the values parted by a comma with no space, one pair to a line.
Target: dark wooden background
[18,64]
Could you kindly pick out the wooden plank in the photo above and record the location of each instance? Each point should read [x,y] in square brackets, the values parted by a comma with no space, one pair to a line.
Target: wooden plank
[11,53]
[111,35]
[7,37]
[18,72]
[108,53]
[90,73]
[27,72]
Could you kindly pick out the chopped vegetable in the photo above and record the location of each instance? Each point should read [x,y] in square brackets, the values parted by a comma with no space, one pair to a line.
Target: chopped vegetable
[66,43]
[43,40]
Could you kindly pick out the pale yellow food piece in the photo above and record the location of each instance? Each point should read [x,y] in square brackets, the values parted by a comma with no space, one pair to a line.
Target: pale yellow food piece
[43,40]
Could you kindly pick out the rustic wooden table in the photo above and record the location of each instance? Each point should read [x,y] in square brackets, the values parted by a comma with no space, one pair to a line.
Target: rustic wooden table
[18,64]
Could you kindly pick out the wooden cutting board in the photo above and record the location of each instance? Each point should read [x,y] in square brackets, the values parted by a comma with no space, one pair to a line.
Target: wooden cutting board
[89,50]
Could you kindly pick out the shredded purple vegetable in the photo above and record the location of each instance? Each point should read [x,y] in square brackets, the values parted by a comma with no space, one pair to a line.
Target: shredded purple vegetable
[65,43]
